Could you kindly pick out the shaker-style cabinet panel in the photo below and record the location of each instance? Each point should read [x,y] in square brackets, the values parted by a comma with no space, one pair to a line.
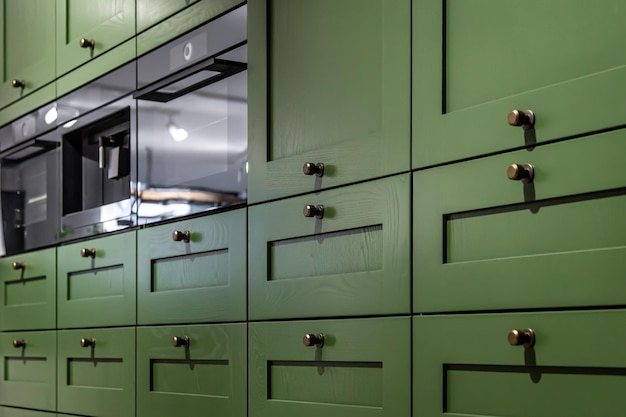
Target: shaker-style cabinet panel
[184,369]
[341,252]
[87,29]
[97,282]
[28,291]
[519,365]
[27,33]
[557,59]
[193,270]
[538,228]
[329,98]
[334,368]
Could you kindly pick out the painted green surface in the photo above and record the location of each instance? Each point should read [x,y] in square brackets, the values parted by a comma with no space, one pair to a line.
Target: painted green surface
[499,56]
[107,22]
[463,365]
[200,281]
[362,370]
[567,252]
[100,291]
[28,296]
[28,103]
[29,373]
[97,381]
[27,54]
[210,375]
[328,82]
[356,260]
[20,412]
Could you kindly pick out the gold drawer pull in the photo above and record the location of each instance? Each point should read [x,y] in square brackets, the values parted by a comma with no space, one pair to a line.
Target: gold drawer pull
[179,236]
[87,342]
[18,83]
[18,265]
[521,172]
[522,118]
[524,337]
[88,253]
[311,339]
[311,168]
[180,341]
[87,43]
[19,343]
[313,211]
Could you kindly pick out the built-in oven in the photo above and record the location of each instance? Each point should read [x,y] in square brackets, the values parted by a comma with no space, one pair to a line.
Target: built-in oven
[192,121]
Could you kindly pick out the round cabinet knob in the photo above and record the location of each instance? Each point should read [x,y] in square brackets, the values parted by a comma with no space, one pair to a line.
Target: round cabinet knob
[313,211]
[311,168]
[521,172]
[18,83]
[311,339]
[180,341]
[179,236]
[87,43]
[18,265]
[91,342]
[88,253]
[522,118]
[19,343]
[524,337]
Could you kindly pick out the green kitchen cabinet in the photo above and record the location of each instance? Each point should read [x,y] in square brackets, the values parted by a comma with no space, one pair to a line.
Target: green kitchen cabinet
[476,61]
[357,367]
[23,412]
[193,270]
[87,29]
[183,369]
[28,291]
[465,365]
[97,282]
[28,56]
[28,368]
[96,372]
[329,86]
[484,242]
[354,260]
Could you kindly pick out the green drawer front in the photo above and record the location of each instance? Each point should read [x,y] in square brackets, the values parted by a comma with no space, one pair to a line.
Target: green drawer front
[97,380]
[208,375]
[199,281]
[498,56]
[98,291]
[338,95]
[28,370]
[29,292]
[483,242]
[362,369]
[353,261]
[463,365]
[20,412]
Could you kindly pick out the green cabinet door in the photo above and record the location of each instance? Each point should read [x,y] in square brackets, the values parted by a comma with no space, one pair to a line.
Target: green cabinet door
[206,371]
[28,368]
[556,58]
[27,30]
[329,84]
[98,290]
[361,369]
[22,412]
[465,366]
[28,291]
[484,242]
[201,280]
[104,24]
[354,260]
[96,372]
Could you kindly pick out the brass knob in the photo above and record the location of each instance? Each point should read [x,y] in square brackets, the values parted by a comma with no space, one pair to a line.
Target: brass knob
[310,168]
[18,265]
[19,343]
[524,337]
[88,342]
[313,211]
[180,341]
[179,236]
[311,339]
[18,83]
[88,253]
[521,172]
[522,118]
[87,43]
